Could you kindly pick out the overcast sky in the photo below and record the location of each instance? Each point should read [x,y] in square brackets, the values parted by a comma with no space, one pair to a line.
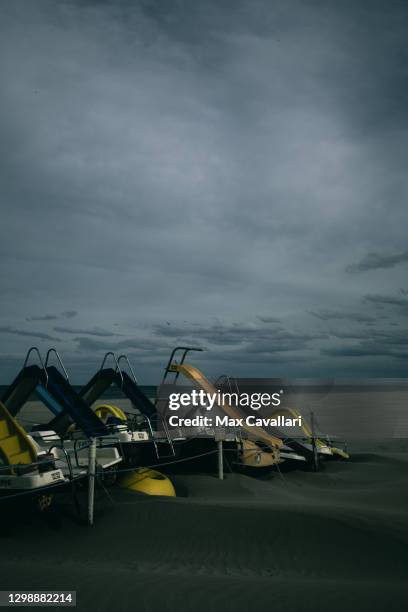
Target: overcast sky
[231,174]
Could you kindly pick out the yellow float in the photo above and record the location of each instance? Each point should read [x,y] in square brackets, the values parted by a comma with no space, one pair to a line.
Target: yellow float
[143,480]
[104,411]
[150,482]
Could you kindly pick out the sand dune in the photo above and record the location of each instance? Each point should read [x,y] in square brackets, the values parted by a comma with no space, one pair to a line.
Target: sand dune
[334,540]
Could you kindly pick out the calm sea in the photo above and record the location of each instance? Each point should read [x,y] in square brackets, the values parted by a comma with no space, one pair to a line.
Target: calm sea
[112,393]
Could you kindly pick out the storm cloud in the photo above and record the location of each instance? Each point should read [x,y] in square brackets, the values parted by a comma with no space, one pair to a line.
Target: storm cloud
[388,300]
[327,315]
[68,314]
[5,329]
[47,317]
[227,164]
[375,261]
[102,333]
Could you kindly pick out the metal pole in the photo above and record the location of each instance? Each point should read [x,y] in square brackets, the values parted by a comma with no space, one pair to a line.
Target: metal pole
[220,461]
[91,479]
[315,455]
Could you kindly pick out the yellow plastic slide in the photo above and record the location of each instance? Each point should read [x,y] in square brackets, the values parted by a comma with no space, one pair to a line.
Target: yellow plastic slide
[308,431]
[253,455]
[15,446]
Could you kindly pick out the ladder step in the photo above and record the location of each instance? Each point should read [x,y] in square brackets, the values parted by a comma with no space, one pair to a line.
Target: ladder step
[10,445]
[14,439]
[4,429]
[23,457]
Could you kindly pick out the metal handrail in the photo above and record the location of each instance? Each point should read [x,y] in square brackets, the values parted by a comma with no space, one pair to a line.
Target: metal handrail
[67,457]
[76,449]
[117,369]
[149,424]
[36,350]
[112,439]
[167,432]
[152,433]
[185,349]
[221,380]
[240,434]
[53,350]
[225,379]
[126,358]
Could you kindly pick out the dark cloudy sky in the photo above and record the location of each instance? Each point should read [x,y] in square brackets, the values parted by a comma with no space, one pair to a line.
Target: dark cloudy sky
[231,174]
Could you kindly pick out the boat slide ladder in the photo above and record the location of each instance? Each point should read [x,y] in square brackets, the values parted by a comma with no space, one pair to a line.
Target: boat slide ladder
[55,352]
[157,417]
[44,364]
[131,417]
[169,370]
[232,385]
[172,362]
[82,440]
[35,349]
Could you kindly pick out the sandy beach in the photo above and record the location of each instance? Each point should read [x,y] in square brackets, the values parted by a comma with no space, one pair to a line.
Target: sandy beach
[337,540]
